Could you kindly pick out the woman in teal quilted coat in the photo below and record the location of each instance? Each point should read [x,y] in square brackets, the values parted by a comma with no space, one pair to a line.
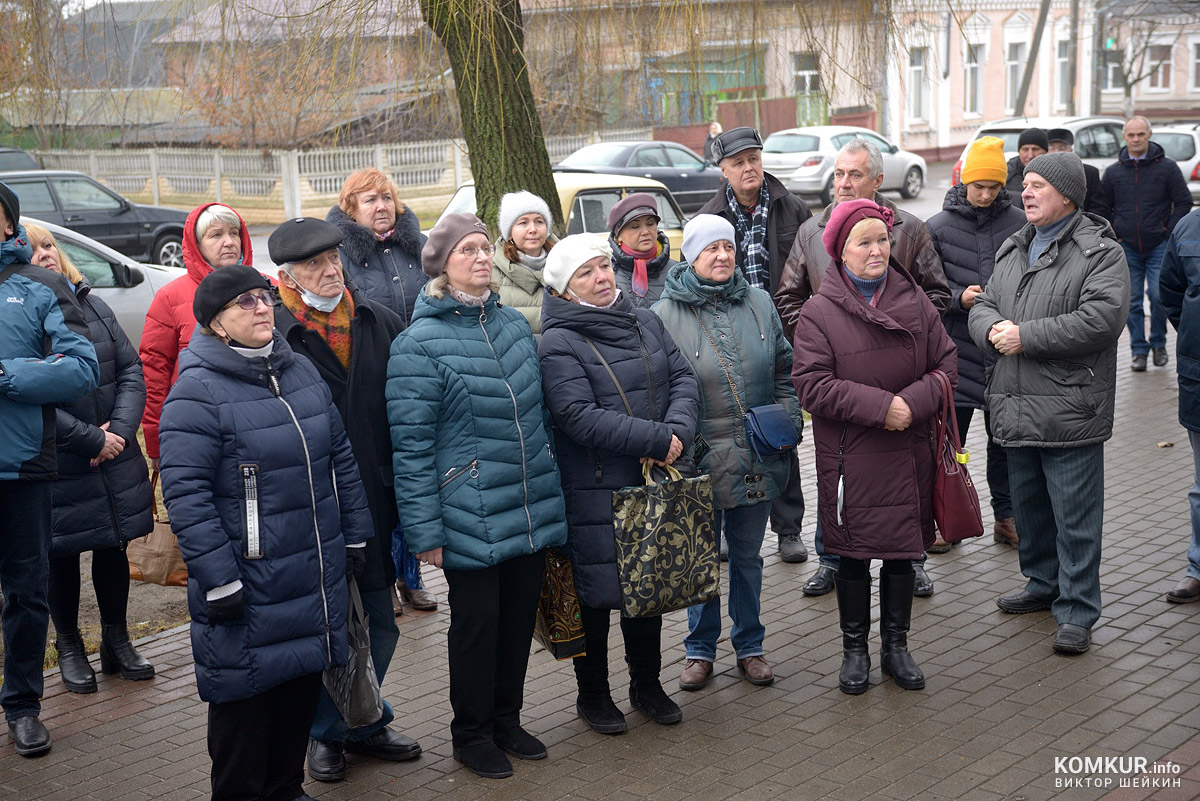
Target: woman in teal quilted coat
[477,487]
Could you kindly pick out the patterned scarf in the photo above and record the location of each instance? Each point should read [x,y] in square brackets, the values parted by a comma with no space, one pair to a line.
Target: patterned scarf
[752,238]
[333,327]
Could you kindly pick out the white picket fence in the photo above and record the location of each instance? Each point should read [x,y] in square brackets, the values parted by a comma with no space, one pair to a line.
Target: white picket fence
[273,185]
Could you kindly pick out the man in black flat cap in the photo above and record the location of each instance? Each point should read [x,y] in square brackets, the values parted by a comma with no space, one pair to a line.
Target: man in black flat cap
[1063,141]
[347,338]
[765,218]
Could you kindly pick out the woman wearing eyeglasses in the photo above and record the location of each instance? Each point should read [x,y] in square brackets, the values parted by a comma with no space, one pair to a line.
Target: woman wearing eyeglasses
[476,483]
[265,496]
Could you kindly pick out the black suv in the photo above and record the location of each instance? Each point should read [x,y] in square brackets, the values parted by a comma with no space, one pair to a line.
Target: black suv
[77,201]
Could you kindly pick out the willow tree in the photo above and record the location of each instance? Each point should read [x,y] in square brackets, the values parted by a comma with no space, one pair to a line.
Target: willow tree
[485,44]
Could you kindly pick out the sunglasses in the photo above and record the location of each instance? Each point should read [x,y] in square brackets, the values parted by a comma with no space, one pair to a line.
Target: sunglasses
[249,301]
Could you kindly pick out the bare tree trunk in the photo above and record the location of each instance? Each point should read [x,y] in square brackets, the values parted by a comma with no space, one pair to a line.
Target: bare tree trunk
[485,42]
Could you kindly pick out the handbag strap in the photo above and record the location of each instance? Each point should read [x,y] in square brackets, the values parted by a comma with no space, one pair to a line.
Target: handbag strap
[8,271]
[612,375]
[947,419]
[719,360]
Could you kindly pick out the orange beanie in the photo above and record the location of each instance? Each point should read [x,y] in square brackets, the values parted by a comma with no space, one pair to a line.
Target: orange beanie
[985,161]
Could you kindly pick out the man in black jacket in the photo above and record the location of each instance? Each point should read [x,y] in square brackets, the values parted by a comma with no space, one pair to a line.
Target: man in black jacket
[765,218]
[347,338]
[1147,196]
[1063,141]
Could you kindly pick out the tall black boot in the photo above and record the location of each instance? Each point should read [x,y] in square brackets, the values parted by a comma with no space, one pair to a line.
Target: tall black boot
[117,654]
[643,654]
[895,617]
[854,612]
[594,704]
[77,674]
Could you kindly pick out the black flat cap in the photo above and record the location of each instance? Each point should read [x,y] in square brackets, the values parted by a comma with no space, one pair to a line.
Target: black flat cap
[734,141]
[1060,135]
[302,238]
[221,286]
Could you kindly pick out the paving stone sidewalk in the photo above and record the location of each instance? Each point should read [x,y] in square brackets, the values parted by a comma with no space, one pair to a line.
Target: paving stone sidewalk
[1002,716]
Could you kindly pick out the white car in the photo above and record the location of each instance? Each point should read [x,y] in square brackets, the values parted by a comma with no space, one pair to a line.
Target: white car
[1098,140]
[802,158]
[1182,143]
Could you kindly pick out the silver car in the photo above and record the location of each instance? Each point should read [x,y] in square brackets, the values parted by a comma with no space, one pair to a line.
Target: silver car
[126,285]
[1182,143]
[802,158]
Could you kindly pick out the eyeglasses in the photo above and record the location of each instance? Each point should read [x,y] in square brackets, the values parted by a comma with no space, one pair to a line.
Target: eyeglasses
[249,301]
[471,251]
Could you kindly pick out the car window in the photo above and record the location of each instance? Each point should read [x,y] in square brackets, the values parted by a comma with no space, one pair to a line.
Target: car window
[34,196]
[602,154]
[683,159]
[95,268]
[840,140]
[1008,137]
[649,157]
[884,145]
[1178,146]
[81,194]
[589,211]
[667,218]
[791,143]
[1097,142]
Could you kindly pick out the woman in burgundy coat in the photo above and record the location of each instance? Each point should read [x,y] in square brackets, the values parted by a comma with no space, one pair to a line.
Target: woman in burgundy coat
[864,349]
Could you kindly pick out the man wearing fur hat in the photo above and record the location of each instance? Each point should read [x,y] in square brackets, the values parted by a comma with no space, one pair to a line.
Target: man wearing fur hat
[1051,315]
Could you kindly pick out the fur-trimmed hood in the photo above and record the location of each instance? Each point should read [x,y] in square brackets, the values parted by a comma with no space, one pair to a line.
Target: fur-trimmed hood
[360,242]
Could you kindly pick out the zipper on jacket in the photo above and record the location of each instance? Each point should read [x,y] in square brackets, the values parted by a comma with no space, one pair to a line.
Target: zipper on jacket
[273,381]
[841,485]
[516,419]
[649,375]
[253,543]
[455,472]
[400,283]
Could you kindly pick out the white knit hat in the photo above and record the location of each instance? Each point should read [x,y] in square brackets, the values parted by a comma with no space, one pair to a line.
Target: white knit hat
[515,204]
[569,254]
[701,231]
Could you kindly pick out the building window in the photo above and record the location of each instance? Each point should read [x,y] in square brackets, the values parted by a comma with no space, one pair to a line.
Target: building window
[1063,71]
[917,93]
[1196,65]
[973,59]
[806,73]
[1014,66]
[1158,59]
[1111,74]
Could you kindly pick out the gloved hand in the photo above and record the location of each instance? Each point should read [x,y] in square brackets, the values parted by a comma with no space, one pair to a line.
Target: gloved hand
[227,609]
[356,562]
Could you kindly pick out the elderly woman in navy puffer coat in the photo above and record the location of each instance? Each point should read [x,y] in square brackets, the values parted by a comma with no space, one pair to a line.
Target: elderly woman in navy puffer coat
[589,327]
[265,496]
[865,347]
[476,483]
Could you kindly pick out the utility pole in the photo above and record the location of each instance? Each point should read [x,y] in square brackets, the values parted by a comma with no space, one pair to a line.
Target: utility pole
[1027,78]
[1073,60]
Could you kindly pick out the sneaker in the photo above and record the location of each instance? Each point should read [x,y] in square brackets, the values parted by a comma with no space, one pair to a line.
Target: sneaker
[791,548]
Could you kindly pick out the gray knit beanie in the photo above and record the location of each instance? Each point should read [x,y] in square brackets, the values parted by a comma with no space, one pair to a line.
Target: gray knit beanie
[1064,171]
[701,231]
[516,204]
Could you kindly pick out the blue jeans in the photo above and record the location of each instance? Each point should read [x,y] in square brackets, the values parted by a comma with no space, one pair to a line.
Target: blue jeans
[1058,500]
[1144,269]
[24,576]
[327,724]
[743,528]
[1194,500]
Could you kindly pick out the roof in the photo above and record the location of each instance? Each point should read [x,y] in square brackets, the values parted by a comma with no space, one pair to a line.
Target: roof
[94,108]
[267,20]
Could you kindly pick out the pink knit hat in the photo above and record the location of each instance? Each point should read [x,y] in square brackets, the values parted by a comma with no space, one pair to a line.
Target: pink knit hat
[845,216]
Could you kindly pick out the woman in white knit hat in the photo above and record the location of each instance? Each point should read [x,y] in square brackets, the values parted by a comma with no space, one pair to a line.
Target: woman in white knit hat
[521,252]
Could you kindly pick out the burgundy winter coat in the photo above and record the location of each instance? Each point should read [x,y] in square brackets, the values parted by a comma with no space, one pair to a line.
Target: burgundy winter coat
[850,360]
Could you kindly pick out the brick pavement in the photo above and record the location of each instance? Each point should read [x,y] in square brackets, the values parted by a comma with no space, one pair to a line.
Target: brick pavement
[998,708]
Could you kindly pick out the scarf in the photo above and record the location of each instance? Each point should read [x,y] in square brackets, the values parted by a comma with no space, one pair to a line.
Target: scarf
[467,299]
[16,250]
[641,279]
[752,237]
[533,263]
[248,352]
[333,327]
[384,236]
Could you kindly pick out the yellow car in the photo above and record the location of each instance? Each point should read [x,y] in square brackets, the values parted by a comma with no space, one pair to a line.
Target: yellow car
[586,199]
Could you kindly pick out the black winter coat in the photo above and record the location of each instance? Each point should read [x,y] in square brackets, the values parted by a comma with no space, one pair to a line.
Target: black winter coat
[966,239]
[1016,180]
[387,272]
[1179,288]
[656,272]
[359,396]
[1146,198]
[109,505]
[599,445]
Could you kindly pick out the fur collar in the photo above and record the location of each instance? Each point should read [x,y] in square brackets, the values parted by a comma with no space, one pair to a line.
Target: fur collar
[359,242]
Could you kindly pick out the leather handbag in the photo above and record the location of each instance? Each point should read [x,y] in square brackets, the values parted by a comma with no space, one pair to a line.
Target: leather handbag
[955,500]
[559,622]
[155,558]
[354,687]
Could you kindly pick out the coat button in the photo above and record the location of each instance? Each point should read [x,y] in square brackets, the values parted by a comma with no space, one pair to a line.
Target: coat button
[395,279]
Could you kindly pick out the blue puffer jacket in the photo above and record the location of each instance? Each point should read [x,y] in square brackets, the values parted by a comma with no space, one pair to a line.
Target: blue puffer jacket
[599,445]
[259,442]
[1179,289]
[47,359]
[474,472]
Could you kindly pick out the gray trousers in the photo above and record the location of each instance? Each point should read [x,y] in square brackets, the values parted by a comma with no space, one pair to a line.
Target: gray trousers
[1058,502]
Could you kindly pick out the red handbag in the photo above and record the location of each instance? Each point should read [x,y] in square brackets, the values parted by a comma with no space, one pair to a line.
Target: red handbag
[955,501]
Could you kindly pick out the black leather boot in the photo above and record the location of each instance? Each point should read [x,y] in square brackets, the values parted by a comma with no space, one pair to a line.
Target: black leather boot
[117,654]
[77,674]
[895,617]
[854,611]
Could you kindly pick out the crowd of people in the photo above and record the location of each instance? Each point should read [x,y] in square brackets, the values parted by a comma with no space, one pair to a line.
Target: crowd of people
[396,400]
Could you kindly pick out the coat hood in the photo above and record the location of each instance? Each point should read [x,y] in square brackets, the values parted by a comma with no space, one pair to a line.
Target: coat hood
[1155,153]
[685,286]
[359,242]
[956,203]
[612,325]
[197,267]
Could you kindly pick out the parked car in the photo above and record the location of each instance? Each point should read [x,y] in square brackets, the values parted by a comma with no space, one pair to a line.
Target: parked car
[79,202]
[1098,140]
[586,199]
[1182,143]
[802,158]
[124,284]
[12,158]
[691,179]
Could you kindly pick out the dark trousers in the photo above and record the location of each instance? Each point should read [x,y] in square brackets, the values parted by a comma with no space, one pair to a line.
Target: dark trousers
[997,462]
[492,613]
[787,509]
[643,650]
[25,525]
[110,579]
[1058,497]
[258,744]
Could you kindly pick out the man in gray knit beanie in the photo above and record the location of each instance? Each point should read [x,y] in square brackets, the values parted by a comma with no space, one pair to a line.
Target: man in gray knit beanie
[1063,171]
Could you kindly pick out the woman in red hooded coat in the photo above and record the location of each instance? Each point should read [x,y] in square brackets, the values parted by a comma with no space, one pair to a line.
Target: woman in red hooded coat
[213,236]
